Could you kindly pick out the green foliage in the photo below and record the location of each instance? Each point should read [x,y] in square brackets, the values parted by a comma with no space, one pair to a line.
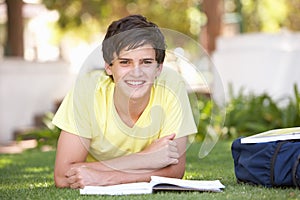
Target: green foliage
[47,135]
[248,114]
[86,15]
[203,111]
[265,15]
[291,113]
[251,114]
[87,18]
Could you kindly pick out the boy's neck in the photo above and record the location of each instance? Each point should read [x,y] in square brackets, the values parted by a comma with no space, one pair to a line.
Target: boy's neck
[130,110]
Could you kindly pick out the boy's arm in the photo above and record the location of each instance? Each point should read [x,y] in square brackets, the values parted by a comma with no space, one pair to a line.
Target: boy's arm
[71,149]
[83,176]
[163,157]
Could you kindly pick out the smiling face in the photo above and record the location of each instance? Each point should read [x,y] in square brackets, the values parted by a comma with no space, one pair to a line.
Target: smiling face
[134,72]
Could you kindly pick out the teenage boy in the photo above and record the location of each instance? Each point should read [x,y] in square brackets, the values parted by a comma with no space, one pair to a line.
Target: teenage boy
[131,121]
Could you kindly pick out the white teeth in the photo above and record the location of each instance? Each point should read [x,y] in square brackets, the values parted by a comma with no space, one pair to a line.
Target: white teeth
[135,82]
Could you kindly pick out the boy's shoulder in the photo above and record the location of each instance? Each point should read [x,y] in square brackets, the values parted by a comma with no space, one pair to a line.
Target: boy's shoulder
[170,77]
[93,80]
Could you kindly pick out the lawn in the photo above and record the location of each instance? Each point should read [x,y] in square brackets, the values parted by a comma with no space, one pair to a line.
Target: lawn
[29,176]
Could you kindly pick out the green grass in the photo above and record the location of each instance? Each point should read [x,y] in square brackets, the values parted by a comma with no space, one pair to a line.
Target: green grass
[30,176]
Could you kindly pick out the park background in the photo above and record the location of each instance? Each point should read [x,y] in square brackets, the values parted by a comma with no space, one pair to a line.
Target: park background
[254,47]
[253,52]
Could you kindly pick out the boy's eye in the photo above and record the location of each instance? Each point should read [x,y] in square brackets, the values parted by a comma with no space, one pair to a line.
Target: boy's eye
[124,62]
[147,62]
[142,62]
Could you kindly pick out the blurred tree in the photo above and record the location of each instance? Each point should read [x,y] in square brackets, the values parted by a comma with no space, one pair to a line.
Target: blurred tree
[265,15]
[84,17]
[293,16]
[186,17]
[214,13]
[14,41]
[175,15]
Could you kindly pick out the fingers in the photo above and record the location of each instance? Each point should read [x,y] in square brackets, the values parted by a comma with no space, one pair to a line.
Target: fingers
[173,152]
[171,145]
[174,161]
[170,137]
[173,148]
[163,152]
[172,158]
[74,178]
[71,179]
[166,139]
[76,185]
[71,172]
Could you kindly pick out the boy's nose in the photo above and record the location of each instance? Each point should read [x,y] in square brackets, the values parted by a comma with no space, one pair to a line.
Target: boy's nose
[137,69]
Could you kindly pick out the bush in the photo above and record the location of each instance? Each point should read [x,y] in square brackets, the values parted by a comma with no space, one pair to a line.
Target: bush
[251,114]
[46,135]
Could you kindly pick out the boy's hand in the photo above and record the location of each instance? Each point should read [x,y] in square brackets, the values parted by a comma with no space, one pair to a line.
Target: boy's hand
[162,152]
[78,177]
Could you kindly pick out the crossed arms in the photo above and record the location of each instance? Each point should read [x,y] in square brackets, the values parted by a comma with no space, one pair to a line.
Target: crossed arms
[164,157]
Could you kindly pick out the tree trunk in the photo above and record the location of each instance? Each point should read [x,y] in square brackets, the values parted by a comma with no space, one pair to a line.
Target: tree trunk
[14,39]
[214,13]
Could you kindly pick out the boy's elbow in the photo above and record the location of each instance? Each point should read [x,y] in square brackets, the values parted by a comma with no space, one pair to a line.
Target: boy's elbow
[180,173]
[177,172]
[180,169]
[60,182]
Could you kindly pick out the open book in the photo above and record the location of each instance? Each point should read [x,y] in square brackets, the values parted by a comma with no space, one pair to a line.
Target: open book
[273,135]
[157,183]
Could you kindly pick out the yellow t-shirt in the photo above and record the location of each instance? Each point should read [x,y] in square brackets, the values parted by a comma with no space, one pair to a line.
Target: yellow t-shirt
[88,111]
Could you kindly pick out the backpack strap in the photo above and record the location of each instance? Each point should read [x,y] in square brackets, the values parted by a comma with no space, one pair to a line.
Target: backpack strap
[294,172]
[273,160]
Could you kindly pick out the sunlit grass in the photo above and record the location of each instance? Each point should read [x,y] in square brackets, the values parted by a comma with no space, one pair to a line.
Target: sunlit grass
[4,162]
[30,176]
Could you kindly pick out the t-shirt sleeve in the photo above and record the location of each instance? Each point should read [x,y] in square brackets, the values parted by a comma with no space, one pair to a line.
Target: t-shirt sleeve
[179,117]
[73,114]
[64,118]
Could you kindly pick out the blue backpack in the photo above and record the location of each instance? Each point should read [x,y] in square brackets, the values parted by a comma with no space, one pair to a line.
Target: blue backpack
[271,164]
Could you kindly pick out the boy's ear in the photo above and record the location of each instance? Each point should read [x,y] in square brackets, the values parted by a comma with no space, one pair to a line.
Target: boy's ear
[108,69]
[159,69]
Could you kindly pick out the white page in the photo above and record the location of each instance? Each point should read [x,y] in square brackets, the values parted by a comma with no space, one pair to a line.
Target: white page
[194,184]
[146,188]
[273,135]
[122,189]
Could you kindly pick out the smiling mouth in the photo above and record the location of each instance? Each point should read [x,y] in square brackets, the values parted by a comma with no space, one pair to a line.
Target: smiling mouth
[135,83]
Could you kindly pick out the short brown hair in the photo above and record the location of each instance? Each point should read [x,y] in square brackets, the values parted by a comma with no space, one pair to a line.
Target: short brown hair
[132,32]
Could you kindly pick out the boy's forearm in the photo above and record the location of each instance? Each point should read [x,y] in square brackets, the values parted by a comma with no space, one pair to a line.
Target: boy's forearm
[173,171]
[162,153]
[132,162]
[132,168]
[121,177]
[96,173]
[135,167]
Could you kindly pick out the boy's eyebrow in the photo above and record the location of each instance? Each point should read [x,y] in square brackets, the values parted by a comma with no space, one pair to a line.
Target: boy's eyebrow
[123,58]
[131,59]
